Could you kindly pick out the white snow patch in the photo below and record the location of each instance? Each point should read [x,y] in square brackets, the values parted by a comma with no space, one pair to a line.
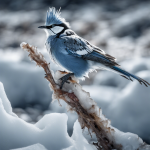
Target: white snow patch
[32,147]
[80,141]
[50,131]
[4,100]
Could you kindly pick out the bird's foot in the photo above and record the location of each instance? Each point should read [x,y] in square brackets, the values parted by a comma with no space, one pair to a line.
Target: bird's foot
[65,79]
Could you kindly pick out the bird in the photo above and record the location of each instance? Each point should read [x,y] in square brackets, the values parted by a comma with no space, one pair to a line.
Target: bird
[75,54]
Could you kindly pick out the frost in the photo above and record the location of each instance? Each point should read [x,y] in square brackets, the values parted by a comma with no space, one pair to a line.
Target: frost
[127,141]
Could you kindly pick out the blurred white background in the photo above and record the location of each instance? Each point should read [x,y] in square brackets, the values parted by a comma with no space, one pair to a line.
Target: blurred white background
[121,28]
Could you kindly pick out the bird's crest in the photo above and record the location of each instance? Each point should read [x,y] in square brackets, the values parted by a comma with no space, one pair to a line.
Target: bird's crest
[53,17]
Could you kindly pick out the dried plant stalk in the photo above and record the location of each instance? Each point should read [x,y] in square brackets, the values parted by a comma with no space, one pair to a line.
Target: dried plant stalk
[89,120]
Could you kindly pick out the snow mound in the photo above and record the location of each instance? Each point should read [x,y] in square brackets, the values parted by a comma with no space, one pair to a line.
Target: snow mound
[50,131]
[80,141]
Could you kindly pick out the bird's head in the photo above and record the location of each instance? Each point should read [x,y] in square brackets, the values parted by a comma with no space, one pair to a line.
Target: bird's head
[54,24]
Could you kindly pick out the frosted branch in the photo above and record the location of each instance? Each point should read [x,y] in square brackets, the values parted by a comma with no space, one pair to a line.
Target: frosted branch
[89,114]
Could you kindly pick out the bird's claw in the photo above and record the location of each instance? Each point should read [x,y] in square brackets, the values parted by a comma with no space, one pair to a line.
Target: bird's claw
[64,79]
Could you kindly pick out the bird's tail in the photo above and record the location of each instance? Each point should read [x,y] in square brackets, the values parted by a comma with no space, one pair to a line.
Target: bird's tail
[128,75]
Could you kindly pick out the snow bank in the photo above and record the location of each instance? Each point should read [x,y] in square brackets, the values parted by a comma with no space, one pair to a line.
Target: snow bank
[50,131]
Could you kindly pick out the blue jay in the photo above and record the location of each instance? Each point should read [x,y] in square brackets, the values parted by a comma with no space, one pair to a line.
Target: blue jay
[76,54]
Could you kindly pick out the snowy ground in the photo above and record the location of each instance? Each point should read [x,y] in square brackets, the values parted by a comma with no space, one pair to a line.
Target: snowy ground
[124,34]
[50,132]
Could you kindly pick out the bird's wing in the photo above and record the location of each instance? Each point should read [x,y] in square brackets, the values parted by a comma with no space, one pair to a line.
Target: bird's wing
[80,47]
[76,46]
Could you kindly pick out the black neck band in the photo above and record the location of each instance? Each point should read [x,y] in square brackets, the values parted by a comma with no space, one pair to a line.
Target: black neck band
[65,28]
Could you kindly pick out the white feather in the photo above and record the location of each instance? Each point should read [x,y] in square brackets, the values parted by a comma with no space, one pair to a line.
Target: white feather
[82,52]
[57,29]
[49,32]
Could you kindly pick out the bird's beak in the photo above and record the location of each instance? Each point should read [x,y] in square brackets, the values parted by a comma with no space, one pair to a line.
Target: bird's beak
[42,27]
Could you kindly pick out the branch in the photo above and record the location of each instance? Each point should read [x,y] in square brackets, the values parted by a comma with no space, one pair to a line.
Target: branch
[89,114]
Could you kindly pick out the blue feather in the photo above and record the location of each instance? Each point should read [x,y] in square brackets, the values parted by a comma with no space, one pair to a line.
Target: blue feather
[128,75]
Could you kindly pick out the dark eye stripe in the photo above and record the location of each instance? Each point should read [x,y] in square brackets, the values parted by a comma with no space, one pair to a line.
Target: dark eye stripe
[61,25]
[49,27]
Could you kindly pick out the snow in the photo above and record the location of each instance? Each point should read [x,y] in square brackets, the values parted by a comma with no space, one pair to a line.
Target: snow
[126,99]
[129,141]
[126,140]
[80,141]
[61,107]
[27,134]
[50,131]
[20,76]
[132,104]
[32,147]
[128,107]
[5,101]
[125,103]
[53,126]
